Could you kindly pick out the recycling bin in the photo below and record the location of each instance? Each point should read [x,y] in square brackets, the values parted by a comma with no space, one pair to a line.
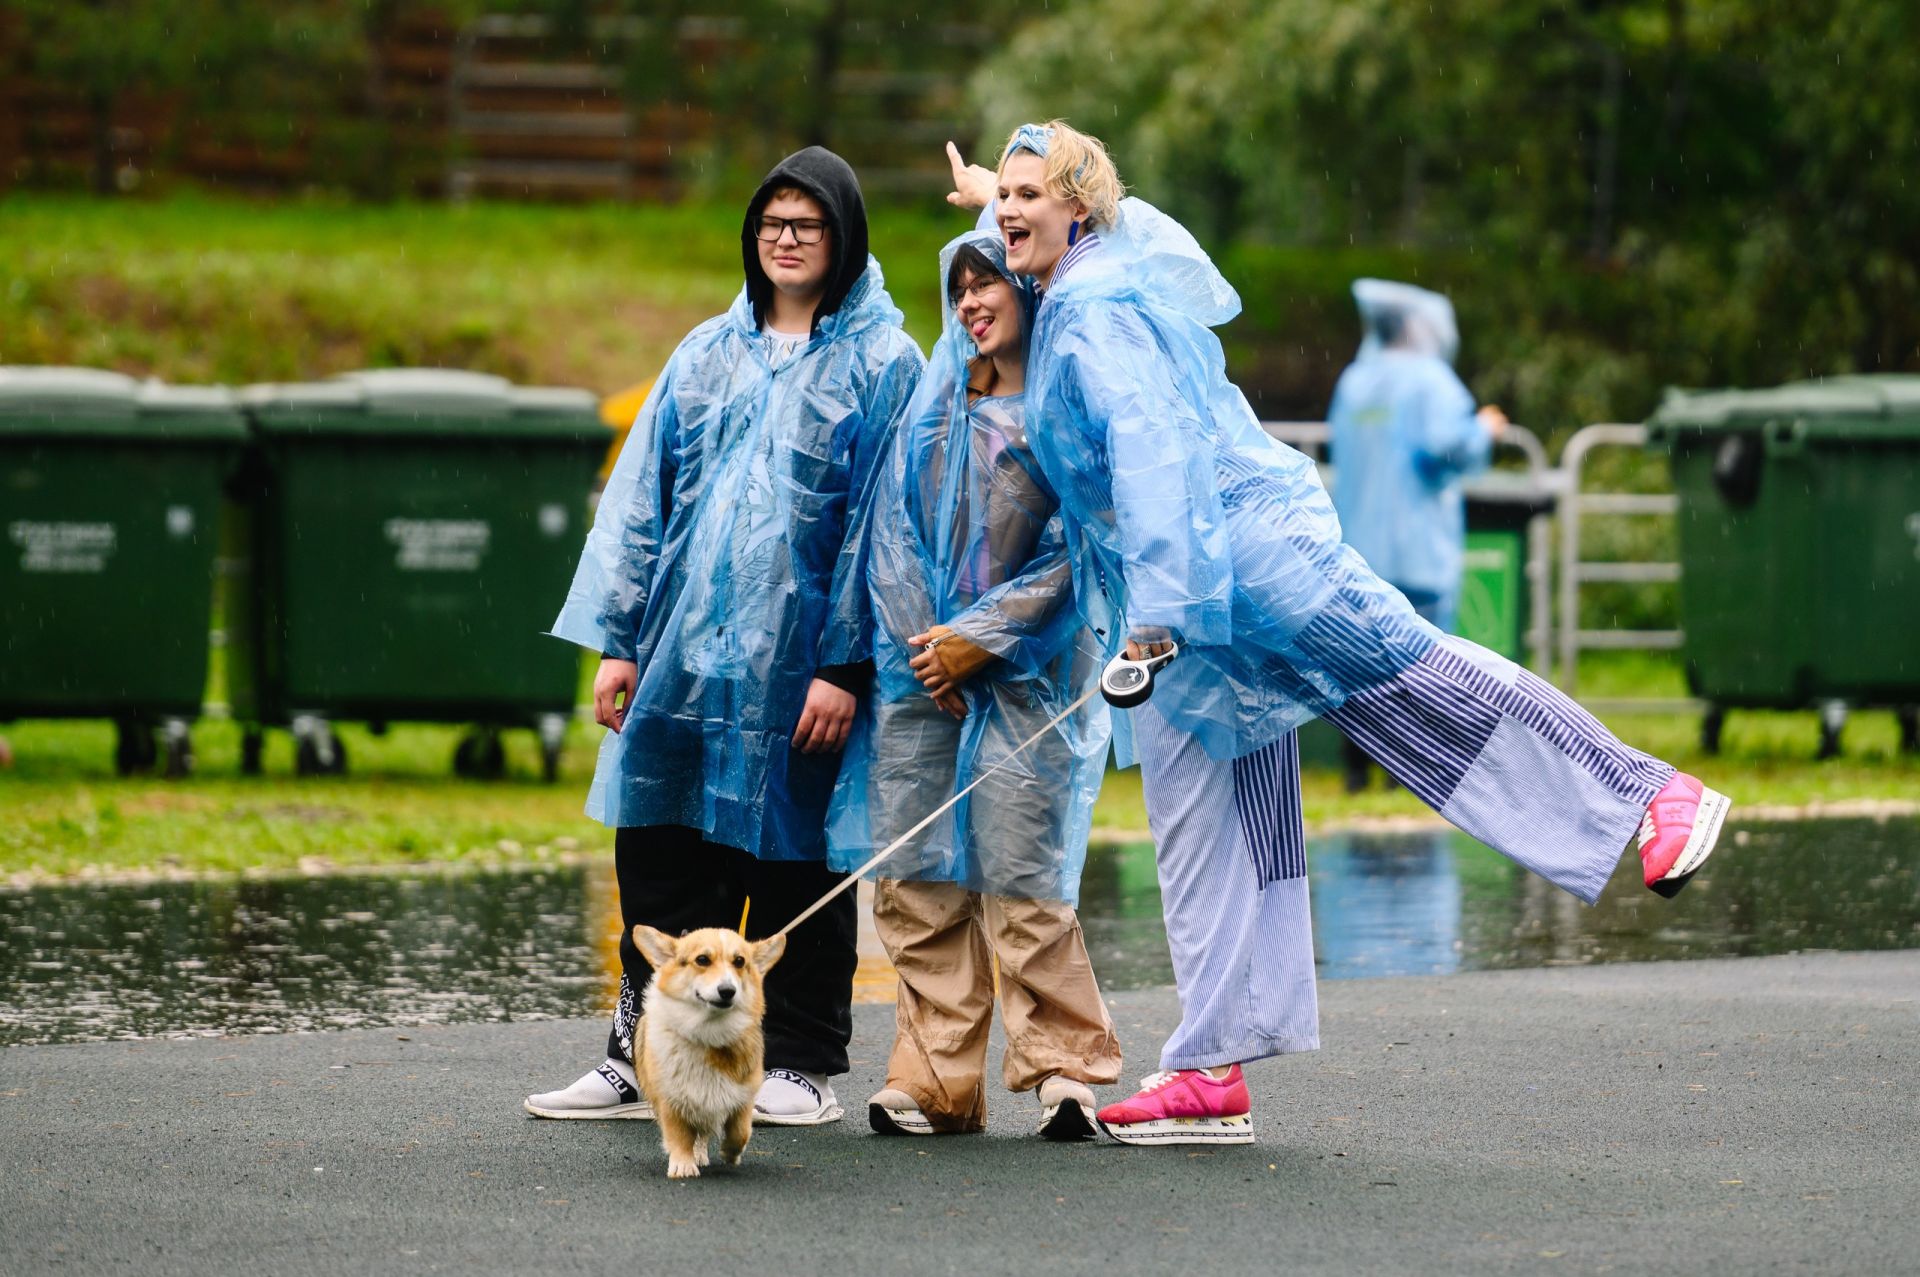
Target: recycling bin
[411,533]
[1799,546]
[111,495]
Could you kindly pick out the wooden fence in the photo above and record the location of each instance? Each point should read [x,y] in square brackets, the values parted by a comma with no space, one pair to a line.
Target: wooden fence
[485,109]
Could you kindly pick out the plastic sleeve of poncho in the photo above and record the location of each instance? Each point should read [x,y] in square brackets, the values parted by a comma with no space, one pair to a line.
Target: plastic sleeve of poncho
[1450,443]
[617,571]
[1160,454]
[847,635]
[1029,619]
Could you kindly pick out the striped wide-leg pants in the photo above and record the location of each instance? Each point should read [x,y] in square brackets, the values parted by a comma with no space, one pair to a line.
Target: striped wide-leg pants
[1500,753]
[1232,852]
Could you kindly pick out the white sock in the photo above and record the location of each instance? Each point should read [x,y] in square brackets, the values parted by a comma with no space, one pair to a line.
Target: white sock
[790,1091]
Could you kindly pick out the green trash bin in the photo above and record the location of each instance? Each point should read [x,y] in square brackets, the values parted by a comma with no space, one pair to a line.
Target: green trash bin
[1496,598]
[1799,547]
[412,532]
[111,494]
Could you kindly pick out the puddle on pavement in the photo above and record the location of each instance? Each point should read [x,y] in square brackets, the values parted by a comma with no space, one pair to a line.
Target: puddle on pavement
[101,962]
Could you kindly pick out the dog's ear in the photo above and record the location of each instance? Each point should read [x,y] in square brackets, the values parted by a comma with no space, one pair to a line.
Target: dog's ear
[655,946]
[767,952]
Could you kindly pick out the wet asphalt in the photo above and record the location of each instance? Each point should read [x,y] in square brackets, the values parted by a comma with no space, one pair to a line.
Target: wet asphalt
[1727,1116]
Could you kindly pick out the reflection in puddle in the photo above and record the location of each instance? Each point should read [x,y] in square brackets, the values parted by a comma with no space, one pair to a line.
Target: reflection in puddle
[93,963]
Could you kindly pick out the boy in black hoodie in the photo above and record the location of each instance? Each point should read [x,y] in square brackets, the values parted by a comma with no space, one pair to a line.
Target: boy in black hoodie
[723,586]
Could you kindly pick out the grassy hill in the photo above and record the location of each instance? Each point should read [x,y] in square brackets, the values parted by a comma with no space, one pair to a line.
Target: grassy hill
[203,289]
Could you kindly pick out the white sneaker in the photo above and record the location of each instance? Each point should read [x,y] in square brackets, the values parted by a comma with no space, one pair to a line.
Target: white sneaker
[1066,1109]
[791,1097]
[893,1112]
[608,1091]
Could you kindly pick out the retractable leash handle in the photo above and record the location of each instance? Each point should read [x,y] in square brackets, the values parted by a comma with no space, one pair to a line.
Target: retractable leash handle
[1123,683]
[1126,683]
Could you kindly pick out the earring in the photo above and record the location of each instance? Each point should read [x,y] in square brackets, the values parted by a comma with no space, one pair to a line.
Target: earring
[1073,233]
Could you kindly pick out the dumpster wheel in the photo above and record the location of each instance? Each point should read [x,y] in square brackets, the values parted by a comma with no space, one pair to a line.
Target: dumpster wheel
[318,752]
[552,730]
[1711,723]
[177,741]
[480,755]
[253,746]
[134,749]
[1833,722]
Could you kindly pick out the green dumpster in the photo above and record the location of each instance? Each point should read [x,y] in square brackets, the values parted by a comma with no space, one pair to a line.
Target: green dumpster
[1799,546]
[111,493]
[1496,598]
[411,534]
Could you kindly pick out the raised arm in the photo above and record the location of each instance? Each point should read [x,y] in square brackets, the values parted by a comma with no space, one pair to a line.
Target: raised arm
[1449,441]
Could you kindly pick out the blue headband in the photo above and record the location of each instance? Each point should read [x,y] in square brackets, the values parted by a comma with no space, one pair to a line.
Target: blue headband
[1031,137]
[1037,138]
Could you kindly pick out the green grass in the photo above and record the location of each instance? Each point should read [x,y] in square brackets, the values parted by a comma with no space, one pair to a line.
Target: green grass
[64,813]
[197,288]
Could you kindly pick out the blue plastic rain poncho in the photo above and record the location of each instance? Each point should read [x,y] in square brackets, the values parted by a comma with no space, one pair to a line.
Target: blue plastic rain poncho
[1404,434]
[727,558]
[1183,515]
[966,533]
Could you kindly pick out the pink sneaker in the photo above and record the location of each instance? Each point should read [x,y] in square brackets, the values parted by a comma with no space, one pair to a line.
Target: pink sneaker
[1184,1106]
[1678,832]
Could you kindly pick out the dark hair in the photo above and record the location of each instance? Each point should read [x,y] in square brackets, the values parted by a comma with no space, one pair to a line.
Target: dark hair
[970,262]
[1388,323]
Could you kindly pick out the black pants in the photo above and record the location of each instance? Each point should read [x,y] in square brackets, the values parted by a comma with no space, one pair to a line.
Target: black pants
[673,879]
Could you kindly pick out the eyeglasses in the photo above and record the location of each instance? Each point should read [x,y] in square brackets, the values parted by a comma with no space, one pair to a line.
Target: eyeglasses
[806,230]
[976,286]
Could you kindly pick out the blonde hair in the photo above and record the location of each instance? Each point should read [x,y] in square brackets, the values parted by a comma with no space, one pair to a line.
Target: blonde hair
[1078,168]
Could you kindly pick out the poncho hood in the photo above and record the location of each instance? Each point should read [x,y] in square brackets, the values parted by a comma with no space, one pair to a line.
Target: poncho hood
[831,181]
[866,305]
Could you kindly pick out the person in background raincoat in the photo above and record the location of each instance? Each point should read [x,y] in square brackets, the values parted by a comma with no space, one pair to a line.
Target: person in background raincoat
[724,585]
[1404,434]
[977,647]
[1189,525]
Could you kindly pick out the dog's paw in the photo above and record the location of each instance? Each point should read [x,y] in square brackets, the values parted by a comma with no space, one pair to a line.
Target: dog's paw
[700,1154]
[682,1168]
[733,1155]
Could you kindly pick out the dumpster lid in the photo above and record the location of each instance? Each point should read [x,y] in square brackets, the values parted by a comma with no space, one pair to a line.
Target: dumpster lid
[440,391]
[73,391]
[555,401]
[55,402]
[424,401]
[1882,402]
[1519,490]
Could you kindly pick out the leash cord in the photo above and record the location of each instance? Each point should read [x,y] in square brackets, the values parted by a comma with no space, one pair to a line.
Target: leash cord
[936,813]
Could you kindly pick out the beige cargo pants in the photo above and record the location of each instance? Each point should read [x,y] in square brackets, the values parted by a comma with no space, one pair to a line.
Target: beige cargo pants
[945,940]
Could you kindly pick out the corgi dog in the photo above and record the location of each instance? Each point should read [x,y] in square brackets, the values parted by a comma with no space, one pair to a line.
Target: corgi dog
[698,1052]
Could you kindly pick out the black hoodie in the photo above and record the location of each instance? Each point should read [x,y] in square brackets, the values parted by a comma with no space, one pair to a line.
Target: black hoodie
[830,180]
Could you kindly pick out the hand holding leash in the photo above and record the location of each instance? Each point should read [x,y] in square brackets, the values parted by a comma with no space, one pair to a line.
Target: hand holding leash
[1128,679]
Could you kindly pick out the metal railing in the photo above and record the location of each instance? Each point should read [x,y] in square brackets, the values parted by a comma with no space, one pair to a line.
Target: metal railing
[1576,506]
[1311,437]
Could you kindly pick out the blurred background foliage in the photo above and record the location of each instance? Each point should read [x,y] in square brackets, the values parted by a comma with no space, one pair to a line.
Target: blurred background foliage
[1618,194]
